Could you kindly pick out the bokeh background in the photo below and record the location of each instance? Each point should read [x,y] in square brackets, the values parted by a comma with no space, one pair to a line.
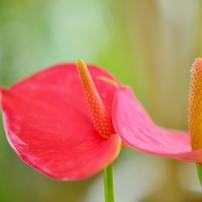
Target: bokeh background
[148,44]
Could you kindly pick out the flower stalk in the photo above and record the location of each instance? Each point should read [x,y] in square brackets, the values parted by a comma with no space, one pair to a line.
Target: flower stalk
[108,183]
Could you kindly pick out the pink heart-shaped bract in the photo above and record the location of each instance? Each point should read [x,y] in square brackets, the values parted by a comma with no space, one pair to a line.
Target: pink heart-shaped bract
[48,123]
[136,129]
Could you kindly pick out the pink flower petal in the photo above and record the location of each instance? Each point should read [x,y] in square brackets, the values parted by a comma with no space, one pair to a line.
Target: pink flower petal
[48,124]
[137,130]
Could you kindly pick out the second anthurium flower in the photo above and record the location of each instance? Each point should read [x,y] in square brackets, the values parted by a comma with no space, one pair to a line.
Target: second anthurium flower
[138,131]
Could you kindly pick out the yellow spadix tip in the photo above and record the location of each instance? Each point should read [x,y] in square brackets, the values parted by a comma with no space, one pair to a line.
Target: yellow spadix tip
[80,63]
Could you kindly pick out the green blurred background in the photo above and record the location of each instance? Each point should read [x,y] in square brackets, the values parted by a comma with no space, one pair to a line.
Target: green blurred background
[148,44]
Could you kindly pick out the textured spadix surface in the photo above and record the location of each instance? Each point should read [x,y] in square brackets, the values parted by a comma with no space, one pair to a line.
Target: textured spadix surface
[195,105]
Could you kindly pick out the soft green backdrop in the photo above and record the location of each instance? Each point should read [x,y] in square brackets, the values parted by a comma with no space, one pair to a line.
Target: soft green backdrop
[148,44]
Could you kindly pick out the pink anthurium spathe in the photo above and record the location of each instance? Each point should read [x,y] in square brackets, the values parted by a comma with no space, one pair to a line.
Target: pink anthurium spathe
[57,126]
[136,129]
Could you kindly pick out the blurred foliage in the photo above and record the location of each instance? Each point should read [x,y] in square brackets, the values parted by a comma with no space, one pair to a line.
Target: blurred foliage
[149,45]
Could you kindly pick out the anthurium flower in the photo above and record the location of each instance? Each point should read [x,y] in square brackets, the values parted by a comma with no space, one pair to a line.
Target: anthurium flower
[136,129]
[68,121]
[59,120]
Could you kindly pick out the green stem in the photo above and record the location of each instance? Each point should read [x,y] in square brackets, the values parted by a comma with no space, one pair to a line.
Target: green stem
[199,170]
[108,184]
